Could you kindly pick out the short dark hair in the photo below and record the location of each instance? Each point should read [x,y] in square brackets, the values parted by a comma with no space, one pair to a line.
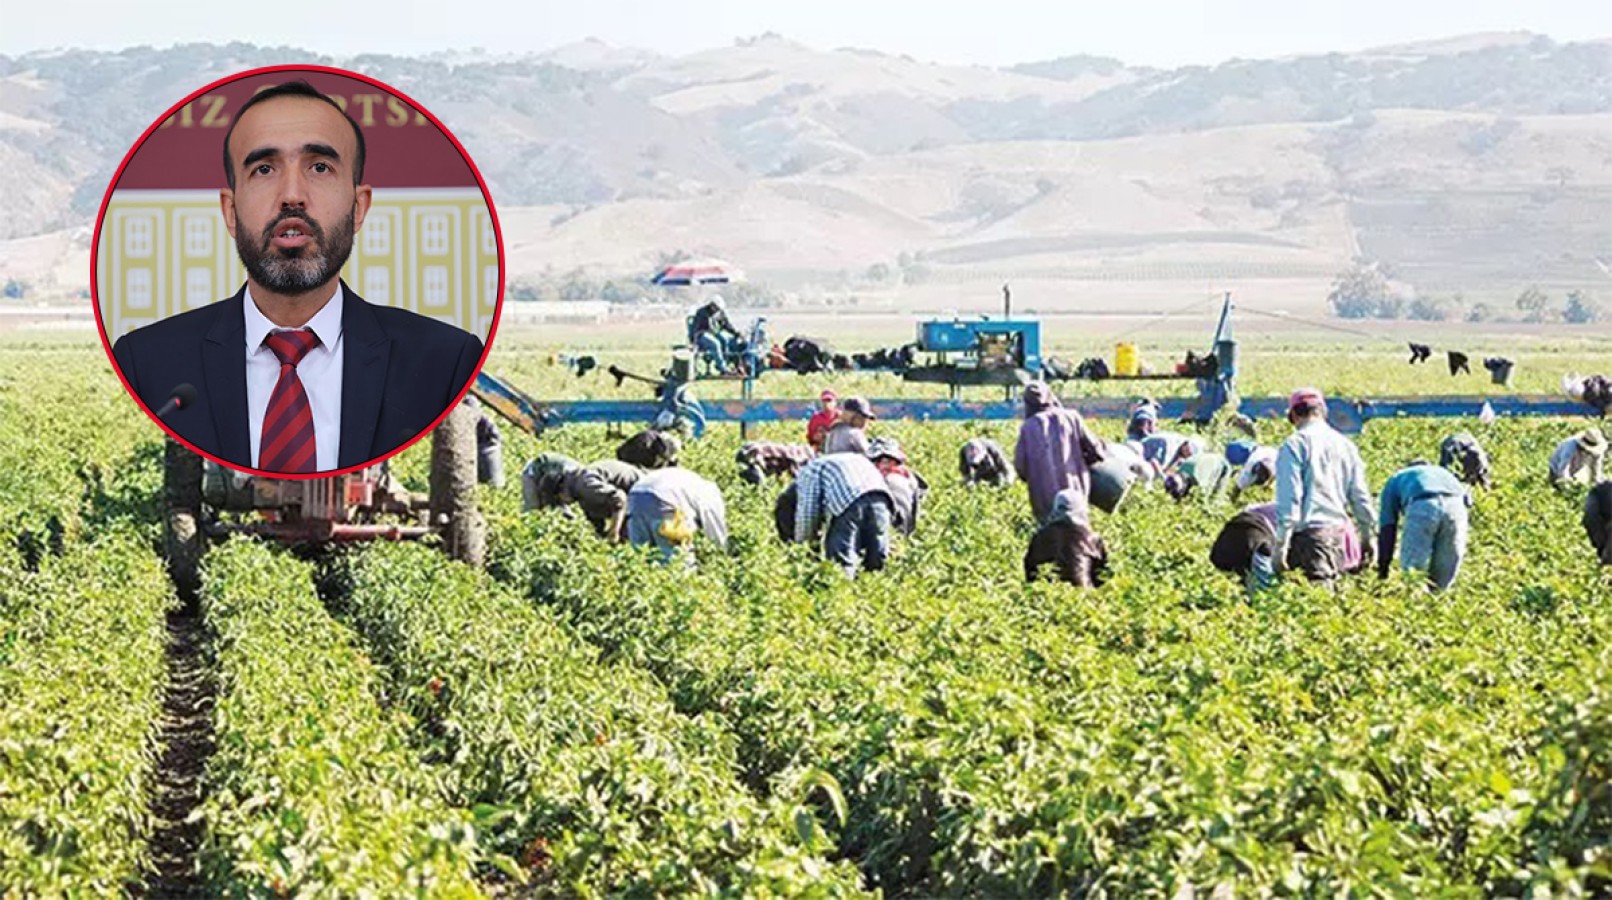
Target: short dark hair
[298,88]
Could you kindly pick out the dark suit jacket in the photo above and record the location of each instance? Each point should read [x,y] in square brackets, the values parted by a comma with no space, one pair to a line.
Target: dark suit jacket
[400,370]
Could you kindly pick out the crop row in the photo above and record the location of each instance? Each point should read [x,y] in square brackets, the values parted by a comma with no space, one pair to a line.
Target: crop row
[603,787]
[1001,737]
[81,675]
[314,788]
[75,451]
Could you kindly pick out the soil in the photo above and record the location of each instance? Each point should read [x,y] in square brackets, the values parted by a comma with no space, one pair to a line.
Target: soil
[186,737]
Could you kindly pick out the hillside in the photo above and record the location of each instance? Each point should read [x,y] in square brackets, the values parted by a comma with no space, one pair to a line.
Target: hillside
[1477,164]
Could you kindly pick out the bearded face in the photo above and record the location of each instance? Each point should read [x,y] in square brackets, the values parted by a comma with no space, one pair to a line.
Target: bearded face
[294,254]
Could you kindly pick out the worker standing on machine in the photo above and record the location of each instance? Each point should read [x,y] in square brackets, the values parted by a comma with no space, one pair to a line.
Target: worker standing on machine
[711,332]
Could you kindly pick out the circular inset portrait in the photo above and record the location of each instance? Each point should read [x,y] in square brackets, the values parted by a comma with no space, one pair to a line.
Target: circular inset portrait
[297,271]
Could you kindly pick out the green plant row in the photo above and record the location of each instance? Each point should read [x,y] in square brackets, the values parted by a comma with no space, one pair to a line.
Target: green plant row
[314,789]
[602,787]
[75,450]
[81,679]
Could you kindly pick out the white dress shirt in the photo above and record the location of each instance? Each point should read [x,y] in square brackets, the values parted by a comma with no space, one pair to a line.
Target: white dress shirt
[320,372]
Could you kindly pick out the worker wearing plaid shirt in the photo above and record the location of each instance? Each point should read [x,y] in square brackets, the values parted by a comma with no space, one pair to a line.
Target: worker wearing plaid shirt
[848,491]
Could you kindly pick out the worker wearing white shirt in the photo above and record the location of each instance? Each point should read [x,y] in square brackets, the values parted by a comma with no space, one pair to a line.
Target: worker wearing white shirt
[1578,459]
[1259,469]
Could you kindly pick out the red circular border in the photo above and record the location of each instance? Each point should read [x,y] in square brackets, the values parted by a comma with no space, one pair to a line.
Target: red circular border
[95,253]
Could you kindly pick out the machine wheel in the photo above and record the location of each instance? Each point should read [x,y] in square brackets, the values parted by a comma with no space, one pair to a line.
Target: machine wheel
[183,540]
[453,487]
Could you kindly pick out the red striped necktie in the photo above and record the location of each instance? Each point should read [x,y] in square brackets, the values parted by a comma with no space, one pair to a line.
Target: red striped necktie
[287,442]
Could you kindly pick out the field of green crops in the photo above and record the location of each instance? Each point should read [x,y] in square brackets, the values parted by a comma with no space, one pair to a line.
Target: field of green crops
[575,721]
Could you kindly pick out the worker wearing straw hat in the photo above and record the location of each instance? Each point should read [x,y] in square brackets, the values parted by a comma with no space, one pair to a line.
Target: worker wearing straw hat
[1578,459]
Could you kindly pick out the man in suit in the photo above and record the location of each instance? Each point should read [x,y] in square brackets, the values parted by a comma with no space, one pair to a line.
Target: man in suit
[296,373]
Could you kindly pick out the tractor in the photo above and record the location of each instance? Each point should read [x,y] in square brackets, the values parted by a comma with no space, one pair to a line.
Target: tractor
[204,501]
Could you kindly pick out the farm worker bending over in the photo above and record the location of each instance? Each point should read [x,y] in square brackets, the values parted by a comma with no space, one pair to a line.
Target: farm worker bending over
[1165,448]
[1320,486]
[760,459]
[667,506]
[1598,520]
[1200,470]
[649,449]
[1433,504]
[710,330]
[907,488]
[1258,470]
[828,412]
[1464,449]
[1055,451]
[552,480]
[982,460]
[1122,466]
[849,434]
[848,492]
[1066,541]
[1246,546]
[1578,459]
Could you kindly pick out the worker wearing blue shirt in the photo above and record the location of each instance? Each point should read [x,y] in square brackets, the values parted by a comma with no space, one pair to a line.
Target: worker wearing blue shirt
[1433,504]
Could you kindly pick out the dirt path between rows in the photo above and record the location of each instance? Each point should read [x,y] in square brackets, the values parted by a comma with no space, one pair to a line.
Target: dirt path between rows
[185,733]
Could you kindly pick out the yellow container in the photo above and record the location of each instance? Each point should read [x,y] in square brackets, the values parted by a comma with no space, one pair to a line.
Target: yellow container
[1126,360]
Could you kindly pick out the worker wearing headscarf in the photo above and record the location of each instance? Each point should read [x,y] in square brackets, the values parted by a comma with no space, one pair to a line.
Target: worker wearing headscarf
[1055,452]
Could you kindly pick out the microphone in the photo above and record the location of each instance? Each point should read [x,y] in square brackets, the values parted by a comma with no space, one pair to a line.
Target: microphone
[182,396]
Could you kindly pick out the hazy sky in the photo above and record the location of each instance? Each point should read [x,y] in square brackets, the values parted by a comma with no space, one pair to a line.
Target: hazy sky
[992,32]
